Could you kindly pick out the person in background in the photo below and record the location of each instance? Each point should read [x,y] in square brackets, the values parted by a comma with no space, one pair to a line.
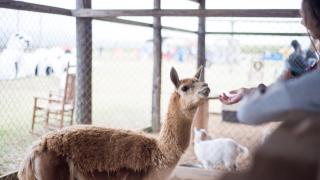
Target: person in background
[264,104]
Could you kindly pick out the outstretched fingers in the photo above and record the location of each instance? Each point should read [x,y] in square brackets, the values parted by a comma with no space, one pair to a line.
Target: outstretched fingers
[224,98]
[234,97]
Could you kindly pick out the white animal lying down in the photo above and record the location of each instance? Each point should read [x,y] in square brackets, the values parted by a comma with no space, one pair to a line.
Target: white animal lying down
[221,151]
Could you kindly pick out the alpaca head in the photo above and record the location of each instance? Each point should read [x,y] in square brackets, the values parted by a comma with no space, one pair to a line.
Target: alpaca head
[18,41]
[191,91]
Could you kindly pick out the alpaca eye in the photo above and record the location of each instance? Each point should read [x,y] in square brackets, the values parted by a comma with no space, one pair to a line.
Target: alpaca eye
[185,88]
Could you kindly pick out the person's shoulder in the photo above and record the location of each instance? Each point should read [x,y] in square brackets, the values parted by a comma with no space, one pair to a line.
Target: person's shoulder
[304,86]
[311,78]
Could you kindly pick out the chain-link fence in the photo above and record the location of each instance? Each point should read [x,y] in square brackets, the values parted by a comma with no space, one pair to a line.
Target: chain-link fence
[35,49]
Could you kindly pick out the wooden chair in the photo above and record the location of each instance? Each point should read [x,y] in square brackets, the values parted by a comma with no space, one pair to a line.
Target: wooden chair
[59,104]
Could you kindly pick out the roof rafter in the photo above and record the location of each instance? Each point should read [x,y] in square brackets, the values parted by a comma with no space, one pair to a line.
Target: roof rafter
[111,15]
[19,5]
[95,13]
[258,33]
[196,1]
[137,23]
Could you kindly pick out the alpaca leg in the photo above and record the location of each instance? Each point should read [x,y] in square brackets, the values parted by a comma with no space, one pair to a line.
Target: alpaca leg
[234,167]
[119,175]
[48,166]
[230,166]
[206,165]
[210,166]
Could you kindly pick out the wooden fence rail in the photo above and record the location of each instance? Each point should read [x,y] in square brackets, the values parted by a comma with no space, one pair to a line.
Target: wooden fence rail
[19,5]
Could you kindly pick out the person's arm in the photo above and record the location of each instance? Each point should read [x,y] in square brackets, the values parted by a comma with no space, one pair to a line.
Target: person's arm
[297,94]
[285,75]
[258,107]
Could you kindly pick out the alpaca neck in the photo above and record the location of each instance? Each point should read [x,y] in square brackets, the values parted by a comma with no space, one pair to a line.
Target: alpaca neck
[175,133]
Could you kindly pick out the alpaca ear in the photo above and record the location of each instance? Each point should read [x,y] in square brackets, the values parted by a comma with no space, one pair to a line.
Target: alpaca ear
[174,78]
[198,75]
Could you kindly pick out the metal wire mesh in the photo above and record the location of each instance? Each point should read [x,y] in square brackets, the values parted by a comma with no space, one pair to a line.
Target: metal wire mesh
[35,49]
[39,46]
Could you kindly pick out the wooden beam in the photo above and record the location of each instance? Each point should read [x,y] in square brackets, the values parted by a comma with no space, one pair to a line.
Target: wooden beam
[18,5]
[142,24]
[257,33]
[157,54]
[124,21]
[202,116]
[283,13]
[84,66]
[196,1]
[201,55]
[177,29]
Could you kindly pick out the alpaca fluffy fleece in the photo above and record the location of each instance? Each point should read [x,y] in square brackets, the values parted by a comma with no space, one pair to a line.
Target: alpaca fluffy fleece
[223,151]
[93,148]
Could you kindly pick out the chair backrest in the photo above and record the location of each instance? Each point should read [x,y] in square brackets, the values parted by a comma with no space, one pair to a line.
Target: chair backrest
[70,85]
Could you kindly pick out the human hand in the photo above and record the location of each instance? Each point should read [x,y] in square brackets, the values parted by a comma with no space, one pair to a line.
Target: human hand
[234,96]
[285,75]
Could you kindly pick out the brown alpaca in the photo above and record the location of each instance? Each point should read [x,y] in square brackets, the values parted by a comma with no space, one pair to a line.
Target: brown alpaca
[88,152]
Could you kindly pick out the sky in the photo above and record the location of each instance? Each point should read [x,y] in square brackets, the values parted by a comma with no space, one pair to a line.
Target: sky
[103,31]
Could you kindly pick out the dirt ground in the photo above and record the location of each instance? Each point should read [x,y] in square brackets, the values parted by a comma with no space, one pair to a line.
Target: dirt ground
[248,136]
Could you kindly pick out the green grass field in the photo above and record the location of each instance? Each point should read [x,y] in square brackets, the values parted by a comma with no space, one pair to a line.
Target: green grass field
[122,89]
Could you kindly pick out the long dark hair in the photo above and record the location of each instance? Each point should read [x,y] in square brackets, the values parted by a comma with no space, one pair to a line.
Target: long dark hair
[314,6]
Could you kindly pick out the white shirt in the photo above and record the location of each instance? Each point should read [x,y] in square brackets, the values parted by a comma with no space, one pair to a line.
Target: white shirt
[299,94]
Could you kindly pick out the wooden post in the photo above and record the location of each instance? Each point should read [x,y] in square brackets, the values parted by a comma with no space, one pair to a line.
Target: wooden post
[201,56]
[157,53]
[202,115]
[84,66]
